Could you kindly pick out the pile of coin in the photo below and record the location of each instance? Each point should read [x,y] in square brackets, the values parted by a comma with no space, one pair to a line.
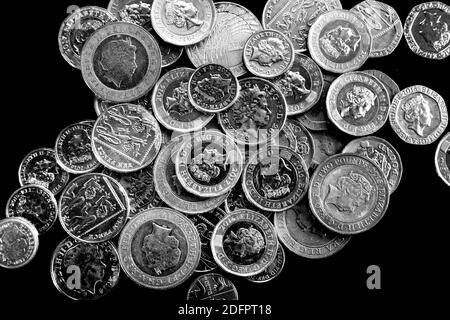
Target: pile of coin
[199,168]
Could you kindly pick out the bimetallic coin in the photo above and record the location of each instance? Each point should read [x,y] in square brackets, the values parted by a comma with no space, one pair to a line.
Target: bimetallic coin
[159,249]
[304,235]
[349,194]
[171,104]
[304,142]
[121,62]
[115,6]
[383,154]
[418,115]
[225,44]
[427,30]
[358,104]
[39,167]
[126,138]
[258,115]
[36,204]
[276,179]
[85,271]
[18,242]
[339,41]
[77,28]
[212,286]
[384,26]
[272,271]
[244,243]
[442,159]
[213,88]
[93,208]
[390,85]
[326,145]
[183,23]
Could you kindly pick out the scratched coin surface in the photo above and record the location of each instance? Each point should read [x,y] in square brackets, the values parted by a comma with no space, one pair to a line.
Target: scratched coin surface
[212,286]
[383,154]
[126,138]
[159,249]
[225,44]
[427,30]
[358,104]
[36,204]
[300,140]
[339,41]
[258,115]
[85,271]
[418,115]
[326,144]
[442,159]
[244,243]
[349,194]
[39,167]
[384,26]
[294,18]
[77,28]
[93,208]
[272,271]
[121,62]
[389,83]
[304,235]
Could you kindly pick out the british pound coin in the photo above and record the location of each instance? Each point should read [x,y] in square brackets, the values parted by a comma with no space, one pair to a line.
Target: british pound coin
[275,179]
[18,242]
[225,44]
[272,271]
[121,62]
[442,159]
[171,104]
[258,115]
[213,88]
[212,286]
[268,54]
[326,144]
[183,23]
[85,271]
[418,115]
[77,28]
[39,167]
[304,235]
[383,154]
[390,85]
[159,249]
[358,104]
[427,30]
[244,243]
[384,26]
[349,194]
[304,142]
[126,138]
[339,41]
[93,208]
[36,204]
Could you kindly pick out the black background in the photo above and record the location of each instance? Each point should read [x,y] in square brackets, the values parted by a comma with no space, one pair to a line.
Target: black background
[44,94]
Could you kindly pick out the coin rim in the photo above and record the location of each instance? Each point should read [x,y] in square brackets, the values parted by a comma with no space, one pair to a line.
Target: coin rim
[252,278]
[211,274]
[436,158]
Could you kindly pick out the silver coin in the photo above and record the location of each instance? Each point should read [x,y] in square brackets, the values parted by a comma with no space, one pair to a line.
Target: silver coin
[272,271]
[304,142]
[326,144]
[442,159]
[212,286]
[390,85]
[114,6]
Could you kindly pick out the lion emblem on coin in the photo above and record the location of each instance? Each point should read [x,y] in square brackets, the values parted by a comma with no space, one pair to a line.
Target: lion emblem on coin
[340,42]
[369,152]
[245,244]
[358,101]
[79,148]
[179,103]
[43,173]
[182,14]
[13,244]
[214,88]
[32,206]
[208,165]
[417,114]
[269,51]
[275,180]
[434,30]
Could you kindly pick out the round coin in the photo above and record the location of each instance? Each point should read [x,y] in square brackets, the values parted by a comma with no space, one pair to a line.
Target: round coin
[18,242]
[418,115]
[244,243]
[349,194]
[326,144]
[212,286]
[272,271]
[442,159]
[93,208]
[390,85]
[121,62]
[115,6]
[126,138]
[427,30]
[339,41]
[304,142]
[101,106]
[159,249]
[85,271]
[36,204]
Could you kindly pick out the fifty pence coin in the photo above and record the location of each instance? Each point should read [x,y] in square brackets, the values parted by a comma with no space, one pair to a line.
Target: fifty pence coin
[126,138]
[85,271]
[121,62]
[18,242]
[418,115]
[349,194]
[244,243]
[36,204]
[212,286]
[427,30]
[326,144]
[339,41]
[39,167]
[442,159]
[159,249]
[93,208]
[272,271]
[390,85]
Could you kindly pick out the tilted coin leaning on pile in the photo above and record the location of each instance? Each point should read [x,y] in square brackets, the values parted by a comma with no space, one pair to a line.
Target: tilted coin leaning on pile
[220,164]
